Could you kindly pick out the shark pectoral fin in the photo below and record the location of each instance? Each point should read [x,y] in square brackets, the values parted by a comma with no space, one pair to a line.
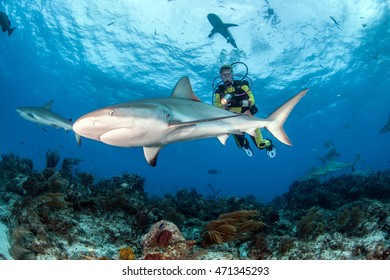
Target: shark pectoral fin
[212,32]
[78,139]
[222,138]
[227,25]
[151,154]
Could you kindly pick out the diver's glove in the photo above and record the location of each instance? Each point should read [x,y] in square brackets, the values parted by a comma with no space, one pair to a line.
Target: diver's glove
[253,109]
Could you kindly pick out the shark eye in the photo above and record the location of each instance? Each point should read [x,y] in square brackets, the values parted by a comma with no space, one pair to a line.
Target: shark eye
[112,112]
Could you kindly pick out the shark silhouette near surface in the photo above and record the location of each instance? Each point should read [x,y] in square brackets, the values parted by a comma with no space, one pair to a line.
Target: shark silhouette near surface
[221,28]
[155,122]
[386,128]
[6,23]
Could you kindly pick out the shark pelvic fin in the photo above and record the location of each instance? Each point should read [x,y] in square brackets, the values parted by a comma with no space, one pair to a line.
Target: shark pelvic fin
[222,138]
[48,105]
[252,132]
[151,154]
[183,89]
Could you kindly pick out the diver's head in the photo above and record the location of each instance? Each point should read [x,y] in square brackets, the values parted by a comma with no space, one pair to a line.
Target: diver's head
[226,73]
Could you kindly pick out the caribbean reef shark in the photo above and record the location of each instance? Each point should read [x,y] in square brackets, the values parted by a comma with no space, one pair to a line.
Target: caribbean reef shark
[6,23]
[155,122]
[386,128]
[330,167]
[221,28]
[44,116]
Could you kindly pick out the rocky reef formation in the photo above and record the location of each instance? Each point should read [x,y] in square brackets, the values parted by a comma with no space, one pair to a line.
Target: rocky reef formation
[62,213]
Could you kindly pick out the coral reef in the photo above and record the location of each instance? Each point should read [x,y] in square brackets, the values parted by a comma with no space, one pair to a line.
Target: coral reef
[65,214]
[52,159]
[231,226]
[164,241]
[126,253]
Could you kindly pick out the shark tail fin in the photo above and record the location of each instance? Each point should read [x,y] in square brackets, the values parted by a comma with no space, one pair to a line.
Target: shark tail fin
[357,158]
[276,119]
[11,30]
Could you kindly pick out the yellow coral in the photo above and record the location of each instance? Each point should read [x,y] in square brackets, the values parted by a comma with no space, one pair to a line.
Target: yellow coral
[126,253]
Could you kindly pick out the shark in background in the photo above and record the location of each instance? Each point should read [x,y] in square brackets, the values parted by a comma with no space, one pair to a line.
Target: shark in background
[155,122]
[386,128]
[6,23]
[44,116]
[331,153]
[330,167]
[221,28]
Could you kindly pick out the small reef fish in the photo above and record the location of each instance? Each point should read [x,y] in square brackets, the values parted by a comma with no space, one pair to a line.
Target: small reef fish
[335,21]
[213,171]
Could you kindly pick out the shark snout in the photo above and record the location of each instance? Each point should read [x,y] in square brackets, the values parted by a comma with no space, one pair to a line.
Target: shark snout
[19,110]
[88,127]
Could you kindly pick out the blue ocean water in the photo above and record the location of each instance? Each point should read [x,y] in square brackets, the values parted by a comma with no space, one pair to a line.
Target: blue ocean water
[89,54]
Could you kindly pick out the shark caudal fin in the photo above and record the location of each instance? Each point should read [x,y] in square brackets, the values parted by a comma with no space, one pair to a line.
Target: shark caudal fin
[357,158]
[10,30]
[276,119]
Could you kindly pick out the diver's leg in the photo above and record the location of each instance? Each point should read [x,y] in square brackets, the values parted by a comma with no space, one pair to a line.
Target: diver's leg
[259,141]
[262,143]
[243,143]
[240,140]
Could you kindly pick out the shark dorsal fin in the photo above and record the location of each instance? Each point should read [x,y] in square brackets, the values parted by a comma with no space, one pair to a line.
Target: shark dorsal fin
[183,89]
[151,154]
[48,105]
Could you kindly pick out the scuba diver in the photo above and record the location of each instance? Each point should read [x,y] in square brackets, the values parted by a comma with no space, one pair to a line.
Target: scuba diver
[236,96]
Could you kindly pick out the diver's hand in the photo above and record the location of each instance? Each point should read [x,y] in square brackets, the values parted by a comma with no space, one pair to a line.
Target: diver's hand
[247,112]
